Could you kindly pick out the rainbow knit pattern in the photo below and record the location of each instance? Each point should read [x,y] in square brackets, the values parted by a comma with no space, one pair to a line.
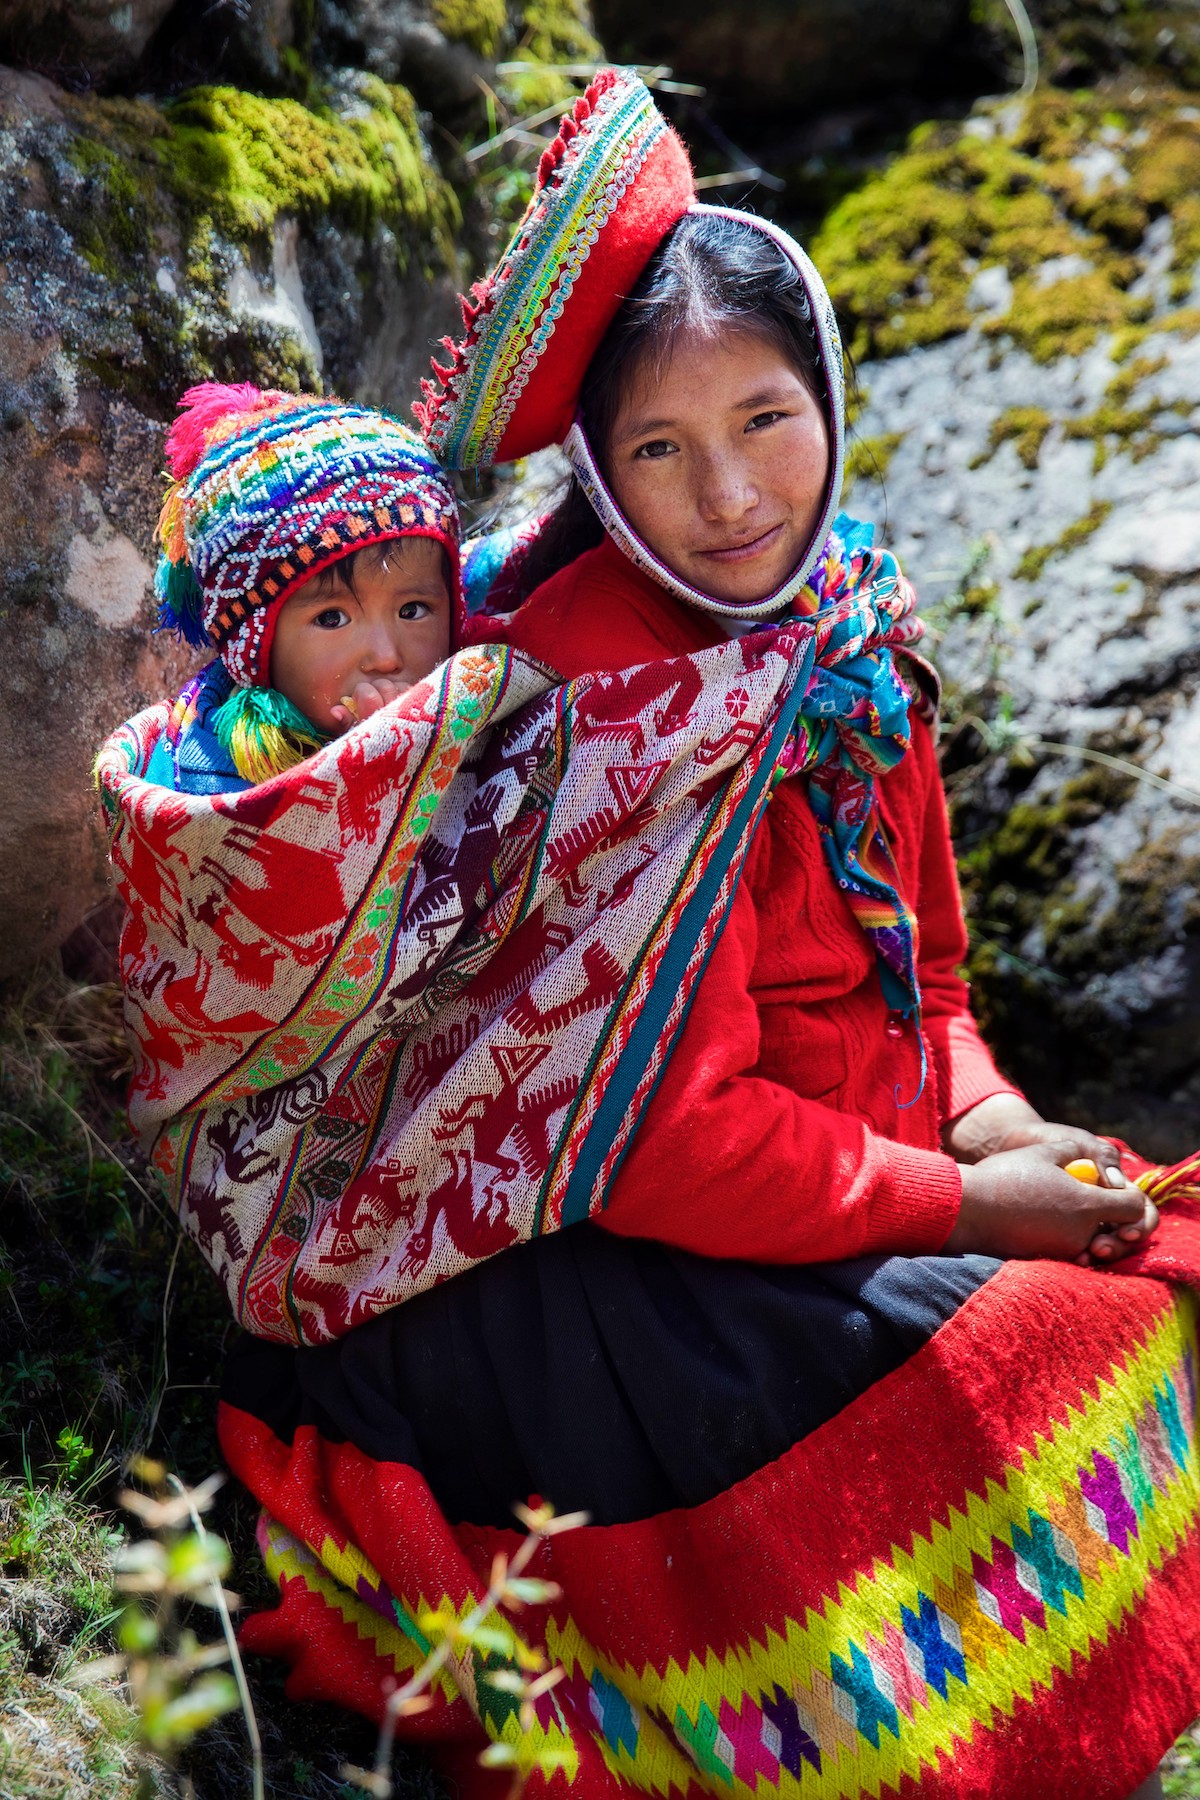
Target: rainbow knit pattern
[961,1586]
[269,488]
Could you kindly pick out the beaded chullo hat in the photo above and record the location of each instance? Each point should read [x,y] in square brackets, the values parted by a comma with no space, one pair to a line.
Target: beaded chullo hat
[609,190]
[268,489]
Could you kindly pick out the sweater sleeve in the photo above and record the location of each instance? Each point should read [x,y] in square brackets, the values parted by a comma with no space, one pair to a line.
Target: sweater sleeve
[728,1162]
[966,1073]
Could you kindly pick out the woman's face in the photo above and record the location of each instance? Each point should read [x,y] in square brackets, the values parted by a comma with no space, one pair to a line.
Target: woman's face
[719,460]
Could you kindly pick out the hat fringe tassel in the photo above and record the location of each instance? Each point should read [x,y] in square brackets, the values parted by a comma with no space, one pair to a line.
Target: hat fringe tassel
[263,733]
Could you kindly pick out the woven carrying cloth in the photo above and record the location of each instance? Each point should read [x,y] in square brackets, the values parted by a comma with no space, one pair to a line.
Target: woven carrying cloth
[955,1588]
[402,1006]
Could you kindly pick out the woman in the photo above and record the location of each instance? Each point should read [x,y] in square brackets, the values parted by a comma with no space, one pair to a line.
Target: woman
[872,1507]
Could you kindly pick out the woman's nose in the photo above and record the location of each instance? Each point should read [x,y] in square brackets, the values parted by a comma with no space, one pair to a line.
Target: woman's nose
[726,491]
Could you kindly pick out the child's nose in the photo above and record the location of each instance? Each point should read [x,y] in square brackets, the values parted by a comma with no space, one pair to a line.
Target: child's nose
[381,653]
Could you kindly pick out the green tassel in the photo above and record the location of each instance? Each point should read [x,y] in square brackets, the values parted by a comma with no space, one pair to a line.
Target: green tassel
[181,601]
[264,733]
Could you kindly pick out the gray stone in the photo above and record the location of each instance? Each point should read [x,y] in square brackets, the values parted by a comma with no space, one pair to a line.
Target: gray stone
[1099,648]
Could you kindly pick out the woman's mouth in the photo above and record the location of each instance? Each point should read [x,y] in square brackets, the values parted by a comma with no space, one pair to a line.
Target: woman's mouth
[746,549]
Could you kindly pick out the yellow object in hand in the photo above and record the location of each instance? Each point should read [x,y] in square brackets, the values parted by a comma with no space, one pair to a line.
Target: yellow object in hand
[1084,1169]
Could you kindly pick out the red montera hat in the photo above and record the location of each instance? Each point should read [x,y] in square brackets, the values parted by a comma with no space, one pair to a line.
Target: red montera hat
[609,188]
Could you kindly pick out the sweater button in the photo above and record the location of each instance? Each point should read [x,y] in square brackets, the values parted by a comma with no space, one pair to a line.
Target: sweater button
[895,1025]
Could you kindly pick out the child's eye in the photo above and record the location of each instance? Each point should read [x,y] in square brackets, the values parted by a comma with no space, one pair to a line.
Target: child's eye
[762,419]
[330,618]
[415,609]
[655,449]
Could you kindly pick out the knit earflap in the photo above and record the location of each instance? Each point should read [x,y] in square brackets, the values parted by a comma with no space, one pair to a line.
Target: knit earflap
[263,733]
[209,413]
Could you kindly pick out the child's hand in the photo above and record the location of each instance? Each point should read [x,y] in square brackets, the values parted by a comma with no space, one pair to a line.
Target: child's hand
[368,696]
[1022,1203]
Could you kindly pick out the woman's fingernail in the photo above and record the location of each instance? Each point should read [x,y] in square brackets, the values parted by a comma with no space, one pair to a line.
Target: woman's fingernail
[1131,1233]
[1102,1250]
[1115,1178]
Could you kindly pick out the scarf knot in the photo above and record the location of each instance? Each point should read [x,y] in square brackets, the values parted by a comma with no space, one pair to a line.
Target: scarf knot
[853,725]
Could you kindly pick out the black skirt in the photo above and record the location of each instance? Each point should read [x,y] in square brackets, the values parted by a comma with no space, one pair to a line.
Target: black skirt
[604,1373]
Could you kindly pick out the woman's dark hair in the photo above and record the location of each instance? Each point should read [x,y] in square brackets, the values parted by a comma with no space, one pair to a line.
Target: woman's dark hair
[709,275]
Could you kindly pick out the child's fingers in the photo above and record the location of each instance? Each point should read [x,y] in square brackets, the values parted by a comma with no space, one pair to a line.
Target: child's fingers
[371,696]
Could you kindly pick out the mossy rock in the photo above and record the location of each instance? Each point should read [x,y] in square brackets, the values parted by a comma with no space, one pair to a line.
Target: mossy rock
[1011,188]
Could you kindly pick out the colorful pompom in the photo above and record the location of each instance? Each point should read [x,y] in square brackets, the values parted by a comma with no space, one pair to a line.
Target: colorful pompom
[204,409]
[264,733]
[169,532]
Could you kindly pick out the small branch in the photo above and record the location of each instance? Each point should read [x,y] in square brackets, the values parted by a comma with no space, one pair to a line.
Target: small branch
[518,128]
[732,177]
[655,75]
[235,1656]
[1188,795]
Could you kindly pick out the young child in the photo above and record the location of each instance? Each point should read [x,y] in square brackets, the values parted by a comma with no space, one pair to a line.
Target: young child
[314,546]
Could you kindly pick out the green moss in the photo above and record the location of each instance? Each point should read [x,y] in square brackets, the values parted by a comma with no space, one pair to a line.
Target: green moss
[198,184]
[244,160]
[900,252]
[1029,854]
[1078,532]
[1024,426]
[1063,318]
[478,23]
[1135,925]
[1119,423]
[1018,879]
[980,599]
[868,457]
[553,32]
[1185,322]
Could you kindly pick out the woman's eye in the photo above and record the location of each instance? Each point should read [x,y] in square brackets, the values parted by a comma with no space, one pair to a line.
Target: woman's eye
[415,609]
[656,448]
[761,419]
[330,618]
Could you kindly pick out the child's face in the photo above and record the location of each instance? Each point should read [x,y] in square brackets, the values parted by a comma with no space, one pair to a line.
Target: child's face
[719,460]
[365,644]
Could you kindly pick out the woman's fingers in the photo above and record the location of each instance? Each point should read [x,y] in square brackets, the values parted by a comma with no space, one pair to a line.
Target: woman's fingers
[1110,1246]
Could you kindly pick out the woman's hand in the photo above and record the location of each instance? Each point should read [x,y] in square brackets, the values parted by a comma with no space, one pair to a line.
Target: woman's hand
[1004,1122]
[1022,1203]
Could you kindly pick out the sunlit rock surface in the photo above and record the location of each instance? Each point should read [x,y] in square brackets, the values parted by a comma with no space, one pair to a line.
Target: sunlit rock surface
[1039,476]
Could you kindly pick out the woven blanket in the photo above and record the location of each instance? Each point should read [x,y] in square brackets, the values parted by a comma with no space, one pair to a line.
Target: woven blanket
[977,1582]
[402,1006]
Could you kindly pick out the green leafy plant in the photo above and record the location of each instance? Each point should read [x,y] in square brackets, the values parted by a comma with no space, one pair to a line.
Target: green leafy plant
[177,1683]
[514,1669]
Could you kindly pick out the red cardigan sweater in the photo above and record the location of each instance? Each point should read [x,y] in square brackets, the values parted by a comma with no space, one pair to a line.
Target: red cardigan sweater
[777,1133]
